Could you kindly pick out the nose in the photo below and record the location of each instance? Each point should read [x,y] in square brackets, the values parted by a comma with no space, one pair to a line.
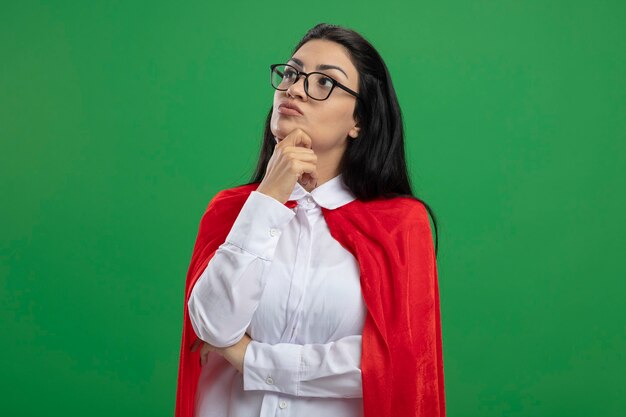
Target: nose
[297,88]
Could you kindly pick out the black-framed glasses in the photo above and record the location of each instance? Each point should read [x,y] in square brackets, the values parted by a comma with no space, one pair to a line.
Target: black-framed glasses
[317,85]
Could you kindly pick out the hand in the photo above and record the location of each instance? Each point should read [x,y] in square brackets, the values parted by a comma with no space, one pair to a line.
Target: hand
[204,350]
[233,354]
[292,160]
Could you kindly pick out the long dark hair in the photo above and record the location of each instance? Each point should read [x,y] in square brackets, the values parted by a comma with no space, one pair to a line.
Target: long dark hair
[381,127]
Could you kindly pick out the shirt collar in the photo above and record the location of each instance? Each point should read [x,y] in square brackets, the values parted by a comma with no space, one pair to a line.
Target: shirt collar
[330,195]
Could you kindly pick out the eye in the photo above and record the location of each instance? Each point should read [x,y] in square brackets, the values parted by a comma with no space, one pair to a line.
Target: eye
[323,80]
[289,73]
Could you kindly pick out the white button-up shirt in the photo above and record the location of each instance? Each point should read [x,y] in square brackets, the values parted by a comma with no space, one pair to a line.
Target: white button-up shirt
[283,279]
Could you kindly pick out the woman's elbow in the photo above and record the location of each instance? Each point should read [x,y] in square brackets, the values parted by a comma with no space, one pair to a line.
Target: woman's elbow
[211,329]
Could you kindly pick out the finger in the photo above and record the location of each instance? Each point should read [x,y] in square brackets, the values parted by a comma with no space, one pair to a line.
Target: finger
[204,353]
[310,178]
[303,157]
[299,150]
[195,345]
[308,168]
[304,140]
[298,137]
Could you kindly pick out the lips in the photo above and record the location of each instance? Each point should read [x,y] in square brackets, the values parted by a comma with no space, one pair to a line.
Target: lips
[286,105]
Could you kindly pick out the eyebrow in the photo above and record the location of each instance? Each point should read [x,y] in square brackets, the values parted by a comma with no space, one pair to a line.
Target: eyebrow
[320,67]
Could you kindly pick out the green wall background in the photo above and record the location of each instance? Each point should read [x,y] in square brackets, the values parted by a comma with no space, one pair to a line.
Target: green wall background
[120,120]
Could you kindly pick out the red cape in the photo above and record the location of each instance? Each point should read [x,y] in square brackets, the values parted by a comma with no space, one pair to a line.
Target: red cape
[401,359]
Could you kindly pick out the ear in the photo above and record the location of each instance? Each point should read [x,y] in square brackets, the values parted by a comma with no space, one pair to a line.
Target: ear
[354,132]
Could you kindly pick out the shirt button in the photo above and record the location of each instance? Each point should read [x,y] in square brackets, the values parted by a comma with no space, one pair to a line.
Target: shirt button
[273,232]
[269,380]
[282,404]
[309,199]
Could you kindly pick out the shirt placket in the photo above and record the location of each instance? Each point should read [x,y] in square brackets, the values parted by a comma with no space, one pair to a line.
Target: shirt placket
[279,405]
[299,279]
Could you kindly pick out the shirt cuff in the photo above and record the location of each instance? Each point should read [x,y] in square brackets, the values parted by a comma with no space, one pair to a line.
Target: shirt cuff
[274,368]
[259,225]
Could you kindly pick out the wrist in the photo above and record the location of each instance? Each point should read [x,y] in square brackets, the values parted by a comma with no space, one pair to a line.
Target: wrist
[270,194]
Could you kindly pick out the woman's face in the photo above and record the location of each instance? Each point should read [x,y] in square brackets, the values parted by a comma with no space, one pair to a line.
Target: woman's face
[328,122]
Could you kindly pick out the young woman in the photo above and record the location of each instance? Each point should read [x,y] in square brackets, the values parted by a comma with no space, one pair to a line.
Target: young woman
[312,289]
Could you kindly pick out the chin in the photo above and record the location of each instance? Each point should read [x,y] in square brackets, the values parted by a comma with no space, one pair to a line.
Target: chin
[284,127]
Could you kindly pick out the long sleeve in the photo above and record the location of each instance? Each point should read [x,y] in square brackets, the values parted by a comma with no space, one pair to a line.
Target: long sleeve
[225,297]
[330,370]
